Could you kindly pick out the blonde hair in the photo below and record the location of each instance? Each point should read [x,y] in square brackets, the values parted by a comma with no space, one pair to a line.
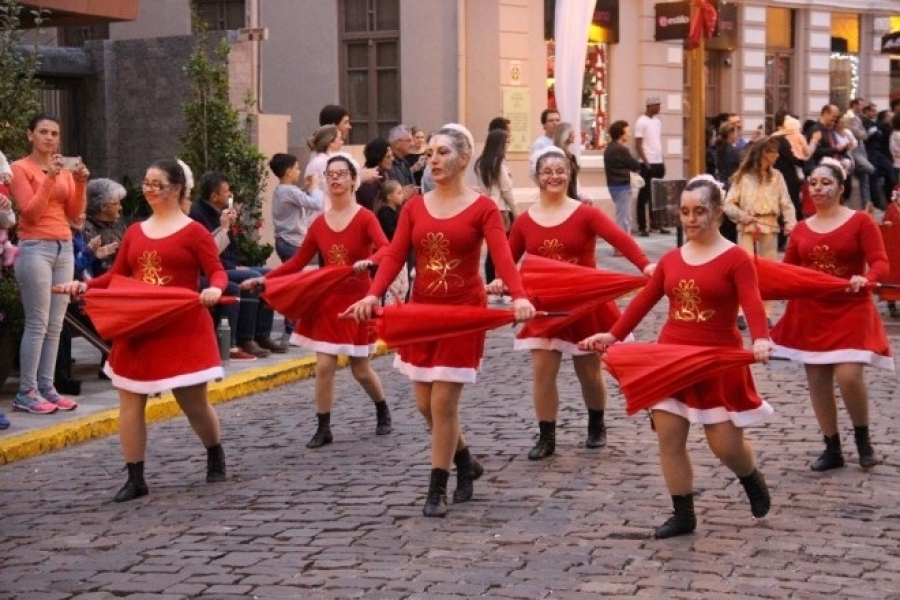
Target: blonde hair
[322,138]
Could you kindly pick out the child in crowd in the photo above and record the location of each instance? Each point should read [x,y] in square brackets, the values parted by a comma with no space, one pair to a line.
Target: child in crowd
[8,252]
[387,208]
[892,218]
[293,208]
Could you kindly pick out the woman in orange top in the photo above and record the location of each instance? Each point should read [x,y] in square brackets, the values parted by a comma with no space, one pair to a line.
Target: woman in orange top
[46,195]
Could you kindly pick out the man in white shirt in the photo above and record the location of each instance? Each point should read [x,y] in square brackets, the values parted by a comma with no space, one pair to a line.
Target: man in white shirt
[549,120]
[648,144]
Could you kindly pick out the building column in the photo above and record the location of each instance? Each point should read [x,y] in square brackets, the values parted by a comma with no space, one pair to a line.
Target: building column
[818,72]
[752,60]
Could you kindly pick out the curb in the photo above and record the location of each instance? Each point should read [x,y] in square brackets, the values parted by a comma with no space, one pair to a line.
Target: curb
[104,423]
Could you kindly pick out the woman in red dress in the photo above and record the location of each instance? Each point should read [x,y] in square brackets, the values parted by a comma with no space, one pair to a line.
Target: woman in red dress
[343,235]
[705,280]
[168,249]
[836,337]
[561,228]
[446,228]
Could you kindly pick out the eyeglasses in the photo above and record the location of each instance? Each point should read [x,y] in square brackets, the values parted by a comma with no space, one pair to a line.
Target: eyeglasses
[154,185]
[337,174]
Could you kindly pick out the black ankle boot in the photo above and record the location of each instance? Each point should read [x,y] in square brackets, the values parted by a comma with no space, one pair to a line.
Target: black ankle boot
[436,504]
[546,444]
[215,464]
[596,429]
[383,418]
[468,469]
[832,457]
[757,492]
[135,487]
[682,521]
[323,432]
[867,458]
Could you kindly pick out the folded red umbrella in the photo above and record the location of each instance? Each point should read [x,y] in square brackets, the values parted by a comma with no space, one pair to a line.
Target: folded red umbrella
[129,307]
[296,294]
[554,285]
[648,373]
[402,324]
[783,281]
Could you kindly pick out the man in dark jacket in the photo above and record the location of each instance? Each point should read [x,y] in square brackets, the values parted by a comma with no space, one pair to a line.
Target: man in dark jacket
[254,324]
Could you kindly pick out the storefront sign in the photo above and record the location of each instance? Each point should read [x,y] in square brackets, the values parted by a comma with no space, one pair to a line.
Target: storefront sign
[672,21]
[517,108]
[890,43]
[605,24]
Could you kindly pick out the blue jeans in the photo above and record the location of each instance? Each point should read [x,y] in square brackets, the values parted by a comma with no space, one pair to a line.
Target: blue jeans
[284,250]
[621,197]
[41,265]
[255,317]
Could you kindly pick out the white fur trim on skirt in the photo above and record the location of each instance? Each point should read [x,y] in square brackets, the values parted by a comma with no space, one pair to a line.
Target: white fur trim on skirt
[163,385]
[436,373]
[834,357]
[711,416]
[353,350]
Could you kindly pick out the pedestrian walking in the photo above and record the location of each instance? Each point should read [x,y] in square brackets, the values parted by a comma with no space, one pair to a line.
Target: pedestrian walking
[168,249]
[705,280]
[446,227]
[836,337]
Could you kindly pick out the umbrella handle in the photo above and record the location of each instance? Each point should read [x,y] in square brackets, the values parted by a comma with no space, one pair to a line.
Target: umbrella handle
[885,286]
[228,300]
[551,313]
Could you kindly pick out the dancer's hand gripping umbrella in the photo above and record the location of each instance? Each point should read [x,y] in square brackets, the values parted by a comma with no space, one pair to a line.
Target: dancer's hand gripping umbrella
[129,307]
[296,294]
[784,281]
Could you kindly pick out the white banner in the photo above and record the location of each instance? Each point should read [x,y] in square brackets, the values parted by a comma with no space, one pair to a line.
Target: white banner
[573,19]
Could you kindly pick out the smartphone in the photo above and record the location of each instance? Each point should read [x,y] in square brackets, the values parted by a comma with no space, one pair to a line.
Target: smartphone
[71,163]
[230,202]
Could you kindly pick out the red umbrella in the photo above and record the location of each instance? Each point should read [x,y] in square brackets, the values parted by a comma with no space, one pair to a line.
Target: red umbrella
[783,281]
[295,294]
[648,373]
[413,323]
[560,286]
[130,307]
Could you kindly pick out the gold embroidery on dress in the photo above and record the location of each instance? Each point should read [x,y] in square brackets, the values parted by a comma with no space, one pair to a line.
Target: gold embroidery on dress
[687,303]
[338,255]
[151,267]
[824,259]
[437,248]
[552,249]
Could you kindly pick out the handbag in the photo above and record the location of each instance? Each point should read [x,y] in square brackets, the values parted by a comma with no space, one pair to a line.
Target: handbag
[637,182]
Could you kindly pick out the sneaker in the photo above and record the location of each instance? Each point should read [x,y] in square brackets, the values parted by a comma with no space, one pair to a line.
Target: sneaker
[238,355]
[31,401]
[4,422]
[271,345]
[61,402]
[255,349]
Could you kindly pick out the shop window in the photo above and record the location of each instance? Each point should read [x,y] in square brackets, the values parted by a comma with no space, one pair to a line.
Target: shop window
[844,59]
[222,15]
[604,31]
[369,31]
[780,29]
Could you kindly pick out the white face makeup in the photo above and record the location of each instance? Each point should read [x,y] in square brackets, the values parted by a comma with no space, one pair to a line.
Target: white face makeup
[445,161]
[822,183]
[697,216]
[553,173]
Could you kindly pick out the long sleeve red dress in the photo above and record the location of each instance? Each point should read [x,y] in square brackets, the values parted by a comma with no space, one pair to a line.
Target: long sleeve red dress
[321,330]
[182,353]
[703,306]
[448,259]
[844,327]
[573,241]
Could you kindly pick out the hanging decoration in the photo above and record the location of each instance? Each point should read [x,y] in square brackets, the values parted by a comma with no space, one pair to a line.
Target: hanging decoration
[703,22]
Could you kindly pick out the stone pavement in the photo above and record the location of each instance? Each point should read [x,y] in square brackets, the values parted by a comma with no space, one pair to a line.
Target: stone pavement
[344,521]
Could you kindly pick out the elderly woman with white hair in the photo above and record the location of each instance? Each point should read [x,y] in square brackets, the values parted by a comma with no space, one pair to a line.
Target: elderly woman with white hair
[343,235]
[561,228]
[446,227]
[104,227]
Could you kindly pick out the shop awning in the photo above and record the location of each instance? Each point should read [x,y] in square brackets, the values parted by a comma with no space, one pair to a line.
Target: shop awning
[63,13]
[890,43]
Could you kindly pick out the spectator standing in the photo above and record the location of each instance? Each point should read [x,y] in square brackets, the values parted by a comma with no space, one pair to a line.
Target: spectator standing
[494,177]
[620,164]
[293,208]
[648,144]
[380,158]
[550,119]
[416,158]
[400,140]
[47,196]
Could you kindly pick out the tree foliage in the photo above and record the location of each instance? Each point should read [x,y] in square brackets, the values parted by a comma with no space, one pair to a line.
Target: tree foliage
[20,89]
[217,139]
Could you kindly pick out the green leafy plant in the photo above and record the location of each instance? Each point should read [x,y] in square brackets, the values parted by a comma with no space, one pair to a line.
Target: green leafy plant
[134,205]
[20,89]
[217,138]
[12,314]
